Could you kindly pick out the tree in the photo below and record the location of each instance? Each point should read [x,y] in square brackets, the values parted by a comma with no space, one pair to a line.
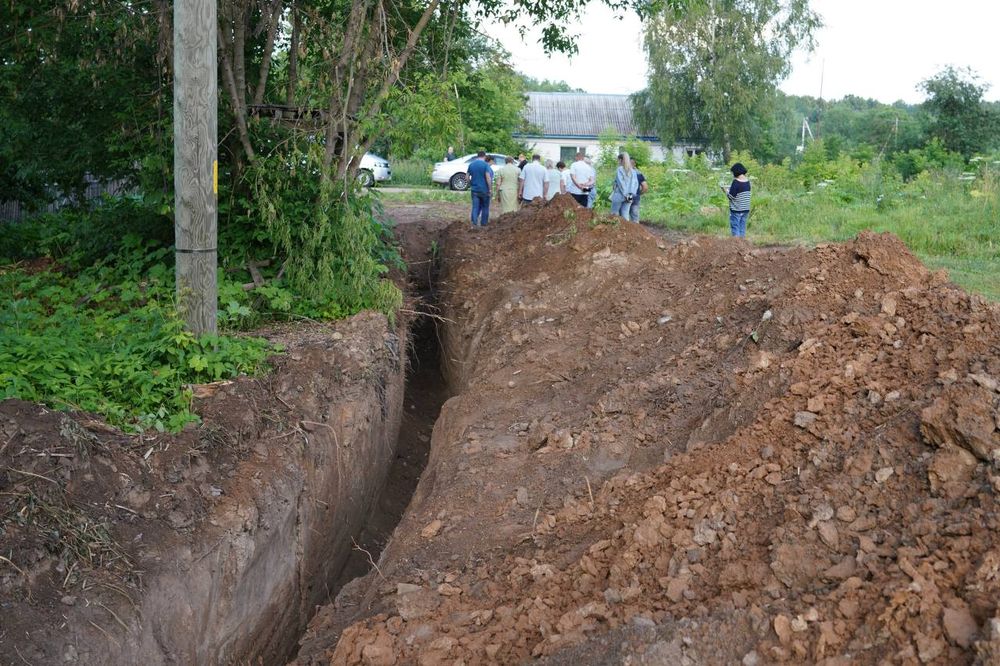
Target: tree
[84,85]
[477,104]
[958,116]
[532,84]
[715,66]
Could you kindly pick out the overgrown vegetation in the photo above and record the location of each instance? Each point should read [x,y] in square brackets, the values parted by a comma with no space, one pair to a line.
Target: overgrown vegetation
[88,320]
[948,217]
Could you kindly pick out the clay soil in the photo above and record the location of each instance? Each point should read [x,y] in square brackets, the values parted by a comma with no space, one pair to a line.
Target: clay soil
[693,451]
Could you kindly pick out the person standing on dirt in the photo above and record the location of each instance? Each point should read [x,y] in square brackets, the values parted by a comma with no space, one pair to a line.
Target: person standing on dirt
[481,185]
[553,179]
[625,187]
[533,182]
[739,200]
[563,177]
[581,180]
[633,211]
[592,192]
[507,185]
[450,155]
[521,161]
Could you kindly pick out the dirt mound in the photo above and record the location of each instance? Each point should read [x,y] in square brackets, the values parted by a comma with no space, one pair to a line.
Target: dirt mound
[700,452]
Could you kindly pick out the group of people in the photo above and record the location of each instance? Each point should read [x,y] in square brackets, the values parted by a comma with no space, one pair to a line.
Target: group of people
[524,181]
[529,181]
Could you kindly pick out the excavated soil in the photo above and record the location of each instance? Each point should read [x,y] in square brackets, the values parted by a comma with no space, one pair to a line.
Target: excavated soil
[693,452]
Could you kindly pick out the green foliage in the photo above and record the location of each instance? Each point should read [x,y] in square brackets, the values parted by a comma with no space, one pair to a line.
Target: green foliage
[931,156]
[82,85]
[638,150]
[333,242]
[105,337]
[425,115]
[81,237]
[611,144]
[492,107]
[534,85]
[959,119]
[714,68]
[864,128]
[413,172]
[479,106]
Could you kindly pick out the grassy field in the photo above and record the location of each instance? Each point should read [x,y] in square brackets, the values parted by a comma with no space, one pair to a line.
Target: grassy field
[950,221]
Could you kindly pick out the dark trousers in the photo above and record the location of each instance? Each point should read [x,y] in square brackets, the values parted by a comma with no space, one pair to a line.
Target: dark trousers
[581,198]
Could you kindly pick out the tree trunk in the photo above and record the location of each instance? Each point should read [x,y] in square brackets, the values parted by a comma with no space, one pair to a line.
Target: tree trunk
[293,55]
[239,109]
[265,66]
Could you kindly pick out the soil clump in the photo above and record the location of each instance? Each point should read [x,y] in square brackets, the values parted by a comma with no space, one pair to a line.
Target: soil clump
[693,452]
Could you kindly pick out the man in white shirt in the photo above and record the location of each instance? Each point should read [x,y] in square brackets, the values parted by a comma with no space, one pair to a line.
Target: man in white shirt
[581,180]
[533,183]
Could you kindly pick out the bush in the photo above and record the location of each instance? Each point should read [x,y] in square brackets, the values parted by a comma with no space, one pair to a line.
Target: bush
[333,245]
[80,237]
[413,172]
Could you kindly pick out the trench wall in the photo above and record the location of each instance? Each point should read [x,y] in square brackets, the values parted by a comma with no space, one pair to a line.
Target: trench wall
[277,553]
[240,584]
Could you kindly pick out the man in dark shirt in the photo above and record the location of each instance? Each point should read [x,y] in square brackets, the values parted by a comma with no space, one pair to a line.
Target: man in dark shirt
[481,181]
[450,155]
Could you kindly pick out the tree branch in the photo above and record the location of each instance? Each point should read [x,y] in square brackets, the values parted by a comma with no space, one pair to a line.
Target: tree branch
[239,110]
[265,65]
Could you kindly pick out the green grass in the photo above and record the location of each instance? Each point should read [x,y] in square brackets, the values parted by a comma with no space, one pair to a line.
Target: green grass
[411,172]
[423,196]
[947,222]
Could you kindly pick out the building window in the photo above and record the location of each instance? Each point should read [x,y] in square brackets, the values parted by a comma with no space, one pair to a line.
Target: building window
[567,154]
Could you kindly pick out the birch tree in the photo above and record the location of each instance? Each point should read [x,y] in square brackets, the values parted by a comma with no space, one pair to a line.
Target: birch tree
[715,66]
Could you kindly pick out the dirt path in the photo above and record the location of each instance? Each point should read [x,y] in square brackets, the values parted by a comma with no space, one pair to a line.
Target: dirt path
[693,452]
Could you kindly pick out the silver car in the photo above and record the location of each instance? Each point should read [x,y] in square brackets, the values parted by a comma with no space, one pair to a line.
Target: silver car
[454,172]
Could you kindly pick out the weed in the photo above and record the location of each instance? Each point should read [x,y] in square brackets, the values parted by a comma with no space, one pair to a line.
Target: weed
[561,237]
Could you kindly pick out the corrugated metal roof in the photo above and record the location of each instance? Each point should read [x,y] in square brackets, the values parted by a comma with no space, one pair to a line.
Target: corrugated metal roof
[580,114]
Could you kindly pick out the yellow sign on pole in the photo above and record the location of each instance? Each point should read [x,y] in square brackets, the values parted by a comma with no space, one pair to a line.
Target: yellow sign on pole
[215,176]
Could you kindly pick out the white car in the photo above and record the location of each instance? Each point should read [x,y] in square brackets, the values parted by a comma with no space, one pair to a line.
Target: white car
[454,172]
[373,169]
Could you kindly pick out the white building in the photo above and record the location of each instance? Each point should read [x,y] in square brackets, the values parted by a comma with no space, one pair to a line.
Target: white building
[571,122]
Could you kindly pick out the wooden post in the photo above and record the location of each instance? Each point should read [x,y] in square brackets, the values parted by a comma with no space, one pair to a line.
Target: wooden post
[196,167]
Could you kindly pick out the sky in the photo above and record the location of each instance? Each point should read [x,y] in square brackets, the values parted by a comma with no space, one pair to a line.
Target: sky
[878,49]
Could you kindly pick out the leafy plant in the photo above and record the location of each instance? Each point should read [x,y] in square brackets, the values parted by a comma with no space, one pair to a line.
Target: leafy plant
[107,340]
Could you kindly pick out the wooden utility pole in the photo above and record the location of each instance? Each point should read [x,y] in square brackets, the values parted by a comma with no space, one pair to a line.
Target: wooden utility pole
[196,166]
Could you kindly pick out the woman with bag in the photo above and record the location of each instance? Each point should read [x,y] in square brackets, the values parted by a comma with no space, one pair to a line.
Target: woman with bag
[625,187]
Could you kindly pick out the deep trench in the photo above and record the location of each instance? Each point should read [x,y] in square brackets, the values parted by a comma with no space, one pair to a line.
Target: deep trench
[424,392]
[423,395]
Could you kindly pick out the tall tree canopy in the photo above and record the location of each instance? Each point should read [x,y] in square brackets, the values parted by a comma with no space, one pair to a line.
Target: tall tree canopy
[958,116]
[715,66]
[83,87]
